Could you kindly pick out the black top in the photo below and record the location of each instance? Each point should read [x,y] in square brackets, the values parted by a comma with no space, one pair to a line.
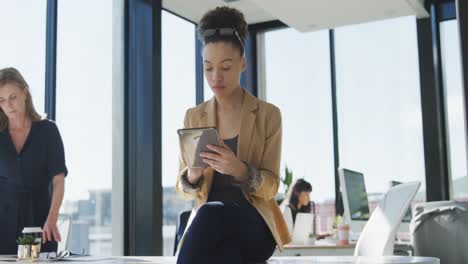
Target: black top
[222,189]
[31,171]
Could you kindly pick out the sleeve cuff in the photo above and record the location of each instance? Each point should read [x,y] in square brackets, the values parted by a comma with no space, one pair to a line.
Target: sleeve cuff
[254,179]
[187,186]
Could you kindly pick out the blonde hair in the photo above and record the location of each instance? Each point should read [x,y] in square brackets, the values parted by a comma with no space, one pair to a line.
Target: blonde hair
[13,76]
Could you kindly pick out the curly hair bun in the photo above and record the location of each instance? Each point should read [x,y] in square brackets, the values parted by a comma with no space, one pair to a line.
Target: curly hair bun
[223,17]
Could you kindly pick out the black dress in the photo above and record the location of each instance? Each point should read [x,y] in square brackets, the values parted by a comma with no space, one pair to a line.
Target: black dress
[26,181]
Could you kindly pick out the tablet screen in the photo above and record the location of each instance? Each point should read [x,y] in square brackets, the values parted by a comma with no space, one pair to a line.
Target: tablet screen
[194,141]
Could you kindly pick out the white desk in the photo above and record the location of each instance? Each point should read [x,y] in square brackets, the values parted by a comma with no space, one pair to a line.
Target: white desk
[328,248]
[273,260]
[320,248]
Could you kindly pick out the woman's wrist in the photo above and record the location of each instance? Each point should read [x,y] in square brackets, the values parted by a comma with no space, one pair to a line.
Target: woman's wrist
[52,217]
[242,172]
[194,175]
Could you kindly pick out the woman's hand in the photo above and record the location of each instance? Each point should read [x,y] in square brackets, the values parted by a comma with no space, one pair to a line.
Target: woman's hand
[50,231]
[224,161]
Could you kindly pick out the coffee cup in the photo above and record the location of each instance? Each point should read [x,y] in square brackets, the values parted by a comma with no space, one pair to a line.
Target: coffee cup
[35,232]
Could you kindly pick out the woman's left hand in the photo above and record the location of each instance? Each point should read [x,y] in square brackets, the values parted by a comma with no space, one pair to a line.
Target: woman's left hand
[224,161]
[50,231]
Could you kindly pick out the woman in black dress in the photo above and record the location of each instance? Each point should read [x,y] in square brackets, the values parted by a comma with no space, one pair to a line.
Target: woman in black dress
[32,166]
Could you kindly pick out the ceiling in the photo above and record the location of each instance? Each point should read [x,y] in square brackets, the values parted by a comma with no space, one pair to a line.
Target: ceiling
[193,10]
[304,15]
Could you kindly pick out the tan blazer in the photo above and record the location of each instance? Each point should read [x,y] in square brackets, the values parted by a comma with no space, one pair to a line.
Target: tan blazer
[259,145]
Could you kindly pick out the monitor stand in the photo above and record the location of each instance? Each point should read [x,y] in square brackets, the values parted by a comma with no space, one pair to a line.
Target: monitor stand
[354,237]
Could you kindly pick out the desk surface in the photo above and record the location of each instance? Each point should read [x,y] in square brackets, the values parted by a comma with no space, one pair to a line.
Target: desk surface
[318,249]
[319,245]
[331,244]
[273,260]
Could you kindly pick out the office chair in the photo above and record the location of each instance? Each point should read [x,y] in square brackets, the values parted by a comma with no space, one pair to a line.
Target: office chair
[440,229]
[180,227]
[378,236]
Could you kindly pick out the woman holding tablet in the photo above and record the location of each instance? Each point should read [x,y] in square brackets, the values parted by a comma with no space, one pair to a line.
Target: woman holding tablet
[236,218]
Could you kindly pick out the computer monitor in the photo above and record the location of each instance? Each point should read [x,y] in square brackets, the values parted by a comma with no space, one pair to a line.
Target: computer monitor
[356,205]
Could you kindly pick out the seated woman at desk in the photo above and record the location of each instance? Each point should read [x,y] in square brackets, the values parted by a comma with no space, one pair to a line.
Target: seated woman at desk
[299,202]
[32,162]
[299,199]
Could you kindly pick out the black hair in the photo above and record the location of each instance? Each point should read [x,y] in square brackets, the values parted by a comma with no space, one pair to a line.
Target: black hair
[223,17]
[299,186]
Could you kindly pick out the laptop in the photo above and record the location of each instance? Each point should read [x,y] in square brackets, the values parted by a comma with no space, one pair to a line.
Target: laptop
[63,225]
[303,226]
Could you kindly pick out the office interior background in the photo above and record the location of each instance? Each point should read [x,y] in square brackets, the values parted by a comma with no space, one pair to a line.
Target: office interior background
[384,96]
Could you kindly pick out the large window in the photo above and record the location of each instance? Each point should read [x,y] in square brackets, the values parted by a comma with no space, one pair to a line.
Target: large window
[297,80]
[84,117]
[379,108]
[178,94]
[450,47]
[23,29]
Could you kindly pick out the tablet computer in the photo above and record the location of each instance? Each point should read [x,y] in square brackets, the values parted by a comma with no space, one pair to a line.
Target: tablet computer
[193,141]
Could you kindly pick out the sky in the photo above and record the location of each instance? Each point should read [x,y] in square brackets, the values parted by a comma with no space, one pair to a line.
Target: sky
[378,93]
[456,121]
[379,116]
[84,93]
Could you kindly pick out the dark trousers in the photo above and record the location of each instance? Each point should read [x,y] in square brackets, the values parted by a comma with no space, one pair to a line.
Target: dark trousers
[227,233]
